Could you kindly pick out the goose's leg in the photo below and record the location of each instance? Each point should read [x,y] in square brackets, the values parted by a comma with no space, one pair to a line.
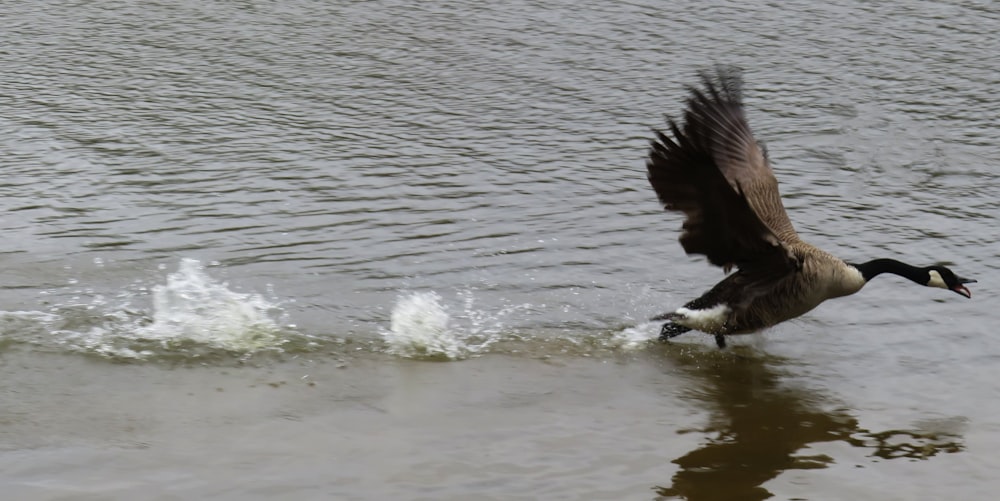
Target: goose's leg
[720,340]
[671,329]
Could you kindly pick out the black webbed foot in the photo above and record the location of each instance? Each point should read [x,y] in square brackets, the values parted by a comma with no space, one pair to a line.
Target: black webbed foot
[671,329]
[720,340]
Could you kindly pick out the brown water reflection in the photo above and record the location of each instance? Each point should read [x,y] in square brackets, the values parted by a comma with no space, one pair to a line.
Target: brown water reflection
[759,422]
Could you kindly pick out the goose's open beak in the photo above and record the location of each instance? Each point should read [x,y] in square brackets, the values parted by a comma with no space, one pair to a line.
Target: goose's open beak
[961,289]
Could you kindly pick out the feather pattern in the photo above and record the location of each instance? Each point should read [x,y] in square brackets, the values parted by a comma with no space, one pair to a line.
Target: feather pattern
[713,171]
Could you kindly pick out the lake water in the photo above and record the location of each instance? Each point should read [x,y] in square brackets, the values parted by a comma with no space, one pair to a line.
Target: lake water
[389,250]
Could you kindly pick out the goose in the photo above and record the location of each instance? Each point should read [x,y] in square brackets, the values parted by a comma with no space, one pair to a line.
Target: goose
[713,171]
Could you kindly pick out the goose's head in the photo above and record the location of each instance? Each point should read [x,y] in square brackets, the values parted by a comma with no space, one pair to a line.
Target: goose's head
[939,276]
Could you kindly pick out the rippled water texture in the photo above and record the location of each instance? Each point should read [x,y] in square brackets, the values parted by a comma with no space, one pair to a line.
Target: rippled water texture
[372,250]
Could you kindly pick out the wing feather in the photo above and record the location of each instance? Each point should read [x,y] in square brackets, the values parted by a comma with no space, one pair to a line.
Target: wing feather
[713,171]
[716,116]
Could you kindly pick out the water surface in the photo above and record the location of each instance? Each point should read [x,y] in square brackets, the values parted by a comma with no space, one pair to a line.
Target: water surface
[375,250]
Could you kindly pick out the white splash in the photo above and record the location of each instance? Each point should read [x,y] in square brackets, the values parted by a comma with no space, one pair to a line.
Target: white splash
[420,326]
[634,338]
[192,315]
[192,307]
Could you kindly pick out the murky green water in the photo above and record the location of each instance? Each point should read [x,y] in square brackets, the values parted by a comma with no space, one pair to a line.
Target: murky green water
[305,250]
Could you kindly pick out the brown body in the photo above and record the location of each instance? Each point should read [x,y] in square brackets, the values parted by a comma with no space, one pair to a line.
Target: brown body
[786,299]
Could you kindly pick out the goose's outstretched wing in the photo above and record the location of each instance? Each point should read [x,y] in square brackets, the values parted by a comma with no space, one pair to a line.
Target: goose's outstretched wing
[714,172]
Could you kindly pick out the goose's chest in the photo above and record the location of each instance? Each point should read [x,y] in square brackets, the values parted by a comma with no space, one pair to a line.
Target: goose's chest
[826,278]
[820,279]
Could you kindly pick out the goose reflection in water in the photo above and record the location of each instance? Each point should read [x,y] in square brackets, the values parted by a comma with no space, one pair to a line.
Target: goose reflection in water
[758,424]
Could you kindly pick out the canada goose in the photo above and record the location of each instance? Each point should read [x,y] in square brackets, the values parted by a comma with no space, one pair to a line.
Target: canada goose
[719,176]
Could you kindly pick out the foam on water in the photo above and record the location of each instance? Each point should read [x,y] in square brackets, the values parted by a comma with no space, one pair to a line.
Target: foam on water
[192,315]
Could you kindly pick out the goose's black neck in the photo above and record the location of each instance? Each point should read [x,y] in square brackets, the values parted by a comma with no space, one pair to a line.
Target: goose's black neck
[876,267]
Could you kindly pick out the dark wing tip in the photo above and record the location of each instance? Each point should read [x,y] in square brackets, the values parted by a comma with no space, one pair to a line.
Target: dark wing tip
[725,84]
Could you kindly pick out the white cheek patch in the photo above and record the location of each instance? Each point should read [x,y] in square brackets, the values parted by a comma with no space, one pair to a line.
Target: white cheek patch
[708,320]
[936,280]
